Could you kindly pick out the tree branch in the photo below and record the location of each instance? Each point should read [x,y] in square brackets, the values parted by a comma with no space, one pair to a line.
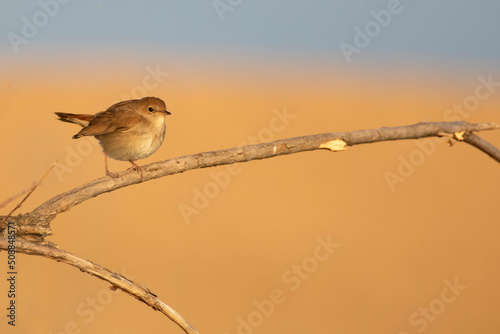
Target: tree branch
[119,281]
[31,190]
[483,145]
[13,197]
[35,225]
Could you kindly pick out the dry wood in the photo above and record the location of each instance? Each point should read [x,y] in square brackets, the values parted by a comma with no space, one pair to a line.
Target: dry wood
[34,226]
[136,290]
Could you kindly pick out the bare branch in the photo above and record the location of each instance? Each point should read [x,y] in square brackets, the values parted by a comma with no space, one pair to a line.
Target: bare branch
[37,222]
[483,145]
[119,281]
[28,195]
[13,197]
[35,225]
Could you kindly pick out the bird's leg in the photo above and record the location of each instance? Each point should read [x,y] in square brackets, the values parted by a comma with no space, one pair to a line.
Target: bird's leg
[108,173]
[137,168]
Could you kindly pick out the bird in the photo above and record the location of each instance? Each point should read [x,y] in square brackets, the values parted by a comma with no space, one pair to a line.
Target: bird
[127,131]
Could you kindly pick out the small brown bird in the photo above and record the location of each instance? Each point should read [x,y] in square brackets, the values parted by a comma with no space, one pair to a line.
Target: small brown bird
[128,130]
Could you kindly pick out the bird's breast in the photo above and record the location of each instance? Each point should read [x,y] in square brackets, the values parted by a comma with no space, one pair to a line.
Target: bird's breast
[134,144]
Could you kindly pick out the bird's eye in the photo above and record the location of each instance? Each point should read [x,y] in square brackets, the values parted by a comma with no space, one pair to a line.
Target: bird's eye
[150,109]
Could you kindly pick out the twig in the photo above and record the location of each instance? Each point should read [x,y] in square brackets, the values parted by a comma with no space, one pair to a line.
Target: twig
[137,290]
[36,224]
[28,195]
[102,185]
[483,145]
[13,197]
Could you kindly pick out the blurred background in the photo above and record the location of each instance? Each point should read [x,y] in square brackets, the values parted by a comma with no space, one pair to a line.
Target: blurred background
[396,237]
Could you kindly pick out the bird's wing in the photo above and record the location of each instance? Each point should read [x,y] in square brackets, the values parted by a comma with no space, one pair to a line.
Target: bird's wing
[111,120]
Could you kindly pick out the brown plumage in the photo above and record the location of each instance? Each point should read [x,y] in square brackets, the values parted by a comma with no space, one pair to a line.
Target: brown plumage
[128,130]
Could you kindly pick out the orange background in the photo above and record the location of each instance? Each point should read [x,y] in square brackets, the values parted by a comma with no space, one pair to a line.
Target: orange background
[396,248]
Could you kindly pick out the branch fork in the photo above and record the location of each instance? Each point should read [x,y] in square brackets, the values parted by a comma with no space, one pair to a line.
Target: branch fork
[34,226]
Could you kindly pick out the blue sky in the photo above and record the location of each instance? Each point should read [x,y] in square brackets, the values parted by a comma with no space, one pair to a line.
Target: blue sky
[441,32]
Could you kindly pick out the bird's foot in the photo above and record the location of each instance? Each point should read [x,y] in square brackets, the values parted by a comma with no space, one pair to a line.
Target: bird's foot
[113,175]
[137,168]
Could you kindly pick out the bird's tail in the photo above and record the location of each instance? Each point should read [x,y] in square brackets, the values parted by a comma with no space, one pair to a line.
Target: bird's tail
[80,119]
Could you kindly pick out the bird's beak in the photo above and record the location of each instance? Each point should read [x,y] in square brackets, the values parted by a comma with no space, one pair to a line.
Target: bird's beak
[165,112]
